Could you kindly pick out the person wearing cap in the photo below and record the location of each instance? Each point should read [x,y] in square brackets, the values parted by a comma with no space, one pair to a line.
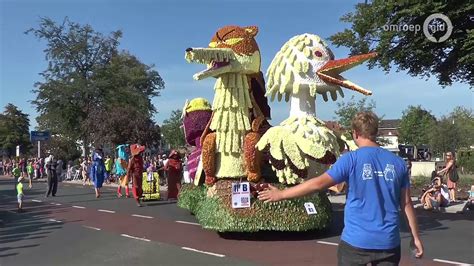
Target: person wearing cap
[20,194]
[16,172]
[135,171]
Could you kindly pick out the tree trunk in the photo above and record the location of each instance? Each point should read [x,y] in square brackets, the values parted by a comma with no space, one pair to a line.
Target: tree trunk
[85,145]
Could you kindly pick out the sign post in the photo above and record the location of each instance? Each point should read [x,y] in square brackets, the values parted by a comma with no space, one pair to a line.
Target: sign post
[39,136]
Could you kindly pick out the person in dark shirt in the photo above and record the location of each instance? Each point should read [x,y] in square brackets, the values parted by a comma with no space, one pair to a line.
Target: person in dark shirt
[51,165]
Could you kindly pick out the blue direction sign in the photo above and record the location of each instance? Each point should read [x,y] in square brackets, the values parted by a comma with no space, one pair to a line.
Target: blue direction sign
[40,135]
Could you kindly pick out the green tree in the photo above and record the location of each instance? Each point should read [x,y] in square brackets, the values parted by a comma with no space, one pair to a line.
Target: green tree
[87,76]
[125,114]
[121,124]
[444,136]
[347,110]
[453,131]
[416,126]
[172,130]
[374,28]
[463,119]
[14,130]
[62,148]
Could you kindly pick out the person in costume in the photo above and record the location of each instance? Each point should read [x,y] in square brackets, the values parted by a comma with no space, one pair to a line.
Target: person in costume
[121,170]
[135,171]
[174,170]
[98,171]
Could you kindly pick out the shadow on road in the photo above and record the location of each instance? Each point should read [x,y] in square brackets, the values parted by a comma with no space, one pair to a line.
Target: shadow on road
[18,231]
[429,221]
[158,203]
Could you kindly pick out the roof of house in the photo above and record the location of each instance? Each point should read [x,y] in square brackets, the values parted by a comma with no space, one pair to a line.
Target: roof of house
[389,123]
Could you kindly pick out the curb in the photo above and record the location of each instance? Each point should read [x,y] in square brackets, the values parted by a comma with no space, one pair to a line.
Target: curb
[453,208]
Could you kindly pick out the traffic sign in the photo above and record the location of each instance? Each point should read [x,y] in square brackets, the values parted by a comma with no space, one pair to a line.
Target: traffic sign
[40,135]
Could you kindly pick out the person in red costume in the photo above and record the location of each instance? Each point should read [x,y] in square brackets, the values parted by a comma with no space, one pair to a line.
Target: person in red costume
[135,171]
[175,173]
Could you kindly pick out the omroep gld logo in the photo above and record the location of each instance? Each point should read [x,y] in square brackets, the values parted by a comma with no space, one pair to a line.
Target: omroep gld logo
[437,27]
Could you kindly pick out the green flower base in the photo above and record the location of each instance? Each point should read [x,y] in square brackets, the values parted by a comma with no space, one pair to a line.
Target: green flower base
[216,213]
[190,196]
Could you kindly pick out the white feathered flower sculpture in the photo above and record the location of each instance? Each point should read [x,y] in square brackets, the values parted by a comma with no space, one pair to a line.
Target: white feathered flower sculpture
[302,145]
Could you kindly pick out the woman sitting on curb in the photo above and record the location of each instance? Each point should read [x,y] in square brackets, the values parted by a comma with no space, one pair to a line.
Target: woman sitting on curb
[436,196]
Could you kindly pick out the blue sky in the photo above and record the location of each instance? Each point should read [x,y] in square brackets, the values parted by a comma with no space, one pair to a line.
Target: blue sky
[158,32]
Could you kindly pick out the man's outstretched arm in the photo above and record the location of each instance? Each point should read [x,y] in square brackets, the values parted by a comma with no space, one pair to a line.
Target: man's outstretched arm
[309,186]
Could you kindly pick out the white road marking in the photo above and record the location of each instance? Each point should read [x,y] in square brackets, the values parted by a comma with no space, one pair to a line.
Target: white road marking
[204,252]
[451,262]
[142,216]
[184,222]
[108,211]
[35,200]
[78,207]
[12,211]
[57,204]
[137,238]
[53,220]
[328,243]
[93,228]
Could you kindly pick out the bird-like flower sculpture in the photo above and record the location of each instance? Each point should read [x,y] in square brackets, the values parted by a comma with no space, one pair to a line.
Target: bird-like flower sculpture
[302,145]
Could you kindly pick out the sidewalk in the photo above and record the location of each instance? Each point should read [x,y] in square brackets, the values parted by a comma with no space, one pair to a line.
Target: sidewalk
[452,208]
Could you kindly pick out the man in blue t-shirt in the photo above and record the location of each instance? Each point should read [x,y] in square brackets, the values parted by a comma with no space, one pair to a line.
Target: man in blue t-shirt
[378,187]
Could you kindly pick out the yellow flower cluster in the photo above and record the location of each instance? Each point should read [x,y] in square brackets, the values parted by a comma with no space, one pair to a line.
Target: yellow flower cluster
[298,140]
[205,56]
[197,104]
[231,116]
[290,63]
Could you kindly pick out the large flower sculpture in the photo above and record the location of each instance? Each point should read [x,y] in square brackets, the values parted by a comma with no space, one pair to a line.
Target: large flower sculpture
[239,105]
[302,145]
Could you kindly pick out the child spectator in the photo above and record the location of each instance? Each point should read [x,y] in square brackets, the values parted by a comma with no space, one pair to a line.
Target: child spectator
[16,173]
[19,195]
[30,169]
[108,169]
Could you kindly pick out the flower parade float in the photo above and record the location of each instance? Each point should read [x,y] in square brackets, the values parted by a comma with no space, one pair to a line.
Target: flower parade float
[196,116]
[241,153]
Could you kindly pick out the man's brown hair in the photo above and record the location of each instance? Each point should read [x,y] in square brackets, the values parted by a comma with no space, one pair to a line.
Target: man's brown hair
[366,124]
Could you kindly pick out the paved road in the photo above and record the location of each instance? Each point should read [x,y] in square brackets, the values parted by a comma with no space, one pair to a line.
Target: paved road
[74,228]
